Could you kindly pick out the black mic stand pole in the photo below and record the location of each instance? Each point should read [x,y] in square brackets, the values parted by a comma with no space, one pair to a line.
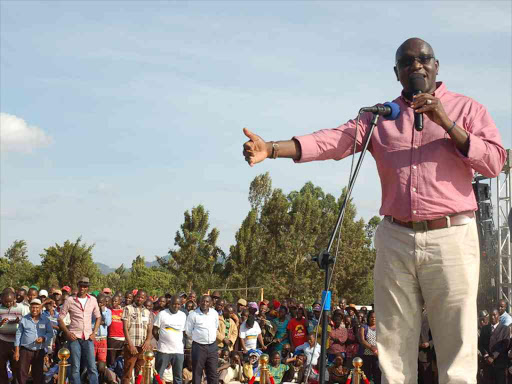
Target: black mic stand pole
[325,260]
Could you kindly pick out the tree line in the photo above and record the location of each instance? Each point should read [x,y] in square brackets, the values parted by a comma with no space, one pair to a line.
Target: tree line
[273,249]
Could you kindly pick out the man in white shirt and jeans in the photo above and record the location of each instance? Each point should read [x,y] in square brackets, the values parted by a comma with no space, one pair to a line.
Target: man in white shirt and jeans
[168,329]
[202,327]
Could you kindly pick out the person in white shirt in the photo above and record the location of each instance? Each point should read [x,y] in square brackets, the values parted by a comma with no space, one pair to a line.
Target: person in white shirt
[202,326]
[168,329]
[311,351]
[250,334]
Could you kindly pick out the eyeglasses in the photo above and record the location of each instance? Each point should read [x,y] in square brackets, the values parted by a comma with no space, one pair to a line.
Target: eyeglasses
[407,61]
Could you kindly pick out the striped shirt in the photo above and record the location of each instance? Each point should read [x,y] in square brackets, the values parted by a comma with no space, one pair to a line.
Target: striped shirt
[16,312]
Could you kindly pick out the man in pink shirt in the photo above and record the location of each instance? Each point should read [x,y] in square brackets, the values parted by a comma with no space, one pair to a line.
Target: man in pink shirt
[427,245]
[79,332]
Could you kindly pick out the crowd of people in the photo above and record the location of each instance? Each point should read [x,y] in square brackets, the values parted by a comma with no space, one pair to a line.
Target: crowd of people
[199,339]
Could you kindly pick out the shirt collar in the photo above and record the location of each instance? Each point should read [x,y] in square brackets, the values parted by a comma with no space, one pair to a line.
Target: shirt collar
[87,297]
[439,92]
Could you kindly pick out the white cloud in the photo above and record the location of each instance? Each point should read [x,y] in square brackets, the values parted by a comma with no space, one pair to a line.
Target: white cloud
[18,136]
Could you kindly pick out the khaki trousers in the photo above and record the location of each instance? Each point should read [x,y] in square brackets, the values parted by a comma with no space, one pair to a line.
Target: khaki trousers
[438,269]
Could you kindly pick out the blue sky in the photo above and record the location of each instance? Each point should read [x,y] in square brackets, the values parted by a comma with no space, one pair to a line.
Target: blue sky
[119,116]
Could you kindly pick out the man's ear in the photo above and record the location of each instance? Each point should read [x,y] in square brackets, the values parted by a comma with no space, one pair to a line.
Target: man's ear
[396,73]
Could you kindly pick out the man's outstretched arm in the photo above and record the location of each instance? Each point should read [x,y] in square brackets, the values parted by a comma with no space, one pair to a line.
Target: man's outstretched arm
[256,149]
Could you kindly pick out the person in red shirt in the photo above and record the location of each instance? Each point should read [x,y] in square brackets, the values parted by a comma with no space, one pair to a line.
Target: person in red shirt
[298,329]
[115,340]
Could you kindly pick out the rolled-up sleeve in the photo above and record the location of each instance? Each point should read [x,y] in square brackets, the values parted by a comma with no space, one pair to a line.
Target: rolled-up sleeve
[333,144]
[486,154]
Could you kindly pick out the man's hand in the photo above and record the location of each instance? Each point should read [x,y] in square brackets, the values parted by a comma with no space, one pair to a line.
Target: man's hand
[490,360]
[16,354]
[133,350]
[39,340]
[146,346]
[227,342]
[433,108]
[71,336]
[255,150]
[4,320]
[92,337]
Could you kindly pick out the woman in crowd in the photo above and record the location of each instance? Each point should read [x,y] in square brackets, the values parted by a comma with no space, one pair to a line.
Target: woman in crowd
[368,350]
[276,368]
[281,323]
[338,373]
[352,343]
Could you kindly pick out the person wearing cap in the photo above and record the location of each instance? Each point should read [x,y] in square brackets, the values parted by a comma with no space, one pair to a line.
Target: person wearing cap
[315,319]
[241,304]
[33,336]
[43,295]
[80,333]
[107,291]
[483,319]
[11,314]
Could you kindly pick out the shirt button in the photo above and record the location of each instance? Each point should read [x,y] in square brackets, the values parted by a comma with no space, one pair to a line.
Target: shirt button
[414,189]
[414,212]
[414,167]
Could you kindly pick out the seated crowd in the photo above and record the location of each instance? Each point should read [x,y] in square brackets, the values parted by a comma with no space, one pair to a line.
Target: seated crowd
[202,339]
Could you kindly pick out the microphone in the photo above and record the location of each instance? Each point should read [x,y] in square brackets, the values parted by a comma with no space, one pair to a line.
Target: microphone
[390,111]
[418,86]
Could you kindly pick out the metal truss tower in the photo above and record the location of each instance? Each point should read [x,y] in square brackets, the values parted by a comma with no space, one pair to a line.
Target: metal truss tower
[504,253]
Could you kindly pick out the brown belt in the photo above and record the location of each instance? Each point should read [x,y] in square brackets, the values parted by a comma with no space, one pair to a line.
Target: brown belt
[443,222]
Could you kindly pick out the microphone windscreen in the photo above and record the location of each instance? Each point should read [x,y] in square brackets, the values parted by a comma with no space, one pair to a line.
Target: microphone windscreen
[395,111]
[417,82]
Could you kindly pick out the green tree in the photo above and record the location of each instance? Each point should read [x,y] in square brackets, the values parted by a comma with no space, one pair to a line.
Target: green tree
[117,280]
[197,261]
[65,264]
[245,257]
[15,268]
[277,240]
[153,280]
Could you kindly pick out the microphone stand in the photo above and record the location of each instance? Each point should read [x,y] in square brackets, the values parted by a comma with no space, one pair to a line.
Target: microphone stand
[325,260]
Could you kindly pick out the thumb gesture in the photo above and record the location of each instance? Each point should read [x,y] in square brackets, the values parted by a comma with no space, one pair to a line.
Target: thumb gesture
[255,150]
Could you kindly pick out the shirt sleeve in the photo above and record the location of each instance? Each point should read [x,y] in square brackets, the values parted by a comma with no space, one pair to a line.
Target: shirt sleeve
[108,317]
[336,143]
[156,323]
[486,154]
[19,332]
[126,314]
[64,310]
[189,325]
[48,334]
[96,310]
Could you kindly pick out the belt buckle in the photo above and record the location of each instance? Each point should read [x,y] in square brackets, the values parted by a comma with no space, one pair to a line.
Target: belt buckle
[419,226]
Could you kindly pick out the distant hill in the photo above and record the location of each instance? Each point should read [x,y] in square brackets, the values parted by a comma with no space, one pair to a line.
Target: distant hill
[105,269]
